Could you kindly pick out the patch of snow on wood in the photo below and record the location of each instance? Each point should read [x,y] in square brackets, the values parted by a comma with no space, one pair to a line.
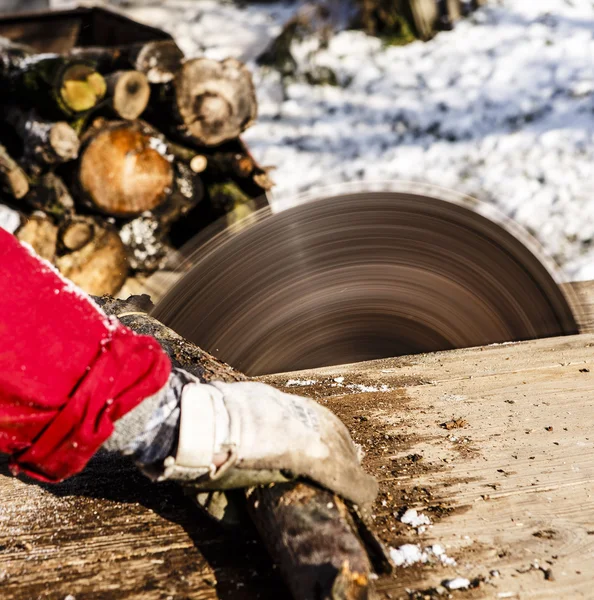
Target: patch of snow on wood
[9,219]
[411,554]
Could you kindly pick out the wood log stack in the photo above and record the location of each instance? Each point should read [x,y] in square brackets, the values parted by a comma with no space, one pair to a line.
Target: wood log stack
[110,157]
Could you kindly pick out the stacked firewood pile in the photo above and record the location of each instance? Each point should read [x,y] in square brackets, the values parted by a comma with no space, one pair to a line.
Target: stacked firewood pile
[112,156]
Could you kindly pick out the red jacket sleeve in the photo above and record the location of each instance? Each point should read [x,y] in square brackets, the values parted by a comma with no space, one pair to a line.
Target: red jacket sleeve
[67,371]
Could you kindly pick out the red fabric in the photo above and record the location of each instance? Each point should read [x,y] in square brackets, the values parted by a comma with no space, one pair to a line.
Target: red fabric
[67,371]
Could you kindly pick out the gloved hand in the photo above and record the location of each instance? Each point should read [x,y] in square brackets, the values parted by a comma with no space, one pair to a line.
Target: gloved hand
[234,435]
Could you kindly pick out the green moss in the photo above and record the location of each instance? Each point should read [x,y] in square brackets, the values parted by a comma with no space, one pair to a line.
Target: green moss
[397,31]
[226,196]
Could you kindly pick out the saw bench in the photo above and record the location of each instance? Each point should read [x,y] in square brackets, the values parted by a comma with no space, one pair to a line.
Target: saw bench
[493,444]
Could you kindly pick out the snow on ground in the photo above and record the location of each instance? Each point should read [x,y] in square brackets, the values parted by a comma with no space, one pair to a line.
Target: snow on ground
[501,108]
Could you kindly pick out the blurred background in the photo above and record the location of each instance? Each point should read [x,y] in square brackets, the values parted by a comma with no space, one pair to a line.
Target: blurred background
[494,99]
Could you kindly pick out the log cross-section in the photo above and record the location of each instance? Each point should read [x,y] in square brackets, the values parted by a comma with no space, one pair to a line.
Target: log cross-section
[212,101]
[121,172]
[306,529]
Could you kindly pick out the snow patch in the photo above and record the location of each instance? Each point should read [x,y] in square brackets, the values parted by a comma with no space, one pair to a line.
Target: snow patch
[299,382]
[411,554]
[458,583]
[415,519]
[407,555]
[10,220]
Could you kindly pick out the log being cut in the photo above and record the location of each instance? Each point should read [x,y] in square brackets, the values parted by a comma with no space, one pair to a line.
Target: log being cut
[309,532]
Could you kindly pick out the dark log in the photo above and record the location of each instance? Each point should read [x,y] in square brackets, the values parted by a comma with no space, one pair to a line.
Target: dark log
[129,93]
[226,164]
[328,562]
[99,265]
[208,101]
[396,21]
[51,195]
[251,177]
[195,160]
[44,142]
[158,60]
[56,85]
[186,193]
[308,531]
[121,171]
[41,234]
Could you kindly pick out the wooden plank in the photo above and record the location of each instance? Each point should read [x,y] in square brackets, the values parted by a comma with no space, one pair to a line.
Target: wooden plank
[111,534]
[488,487]
[504,492]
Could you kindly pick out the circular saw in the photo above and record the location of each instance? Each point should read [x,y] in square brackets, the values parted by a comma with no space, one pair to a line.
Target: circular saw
[359,275]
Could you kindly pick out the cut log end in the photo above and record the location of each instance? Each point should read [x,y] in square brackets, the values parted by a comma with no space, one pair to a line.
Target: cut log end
[130,92]
[82,88]
[99,266]
[198,163]
[159,61]
[64,141]
[41,234]
[122,174]
[215,100]
[76,233]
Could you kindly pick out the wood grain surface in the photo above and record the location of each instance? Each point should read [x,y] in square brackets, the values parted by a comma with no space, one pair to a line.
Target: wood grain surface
[508,489]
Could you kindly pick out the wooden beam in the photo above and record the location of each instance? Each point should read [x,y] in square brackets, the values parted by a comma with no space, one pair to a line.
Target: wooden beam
[504,492]
[508,492]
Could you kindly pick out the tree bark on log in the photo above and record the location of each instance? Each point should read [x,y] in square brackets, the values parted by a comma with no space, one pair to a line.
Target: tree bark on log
[234,158]
[308,531]
[224,164]
[120,172]
[196,161]
[209,102]
[187,192]
[12,178]
[51,195]
[158,60]
[45,143]
[52,83]
[129,93]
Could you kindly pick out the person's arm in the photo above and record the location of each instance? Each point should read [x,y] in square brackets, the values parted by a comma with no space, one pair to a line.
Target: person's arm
[67,371]
[73,380]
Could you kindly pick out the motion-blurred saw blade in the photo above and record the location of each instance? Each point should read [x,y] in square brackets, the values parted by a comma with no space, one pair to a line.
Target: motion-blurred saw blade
[365,275]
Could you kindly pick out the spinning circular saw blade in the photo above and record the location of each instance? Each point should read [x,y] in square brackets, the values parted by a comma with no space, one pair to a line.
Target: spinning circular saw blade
[364,275]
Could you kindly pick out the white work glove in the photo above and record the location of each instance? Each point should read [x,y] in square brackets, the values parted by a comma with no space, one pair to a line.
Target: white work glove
[234,435]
